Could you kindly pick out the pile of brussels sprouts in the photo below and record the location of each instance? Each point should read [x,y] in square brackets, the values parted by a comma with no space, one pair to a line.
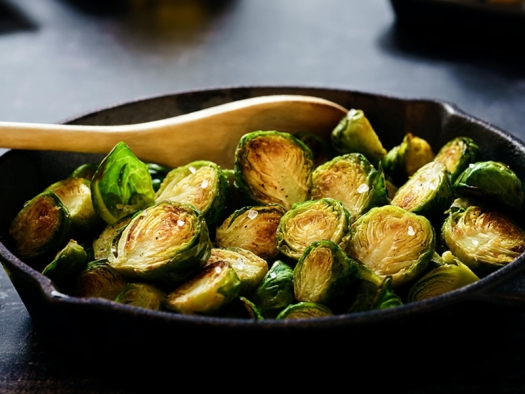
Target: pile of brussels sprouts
[300,227]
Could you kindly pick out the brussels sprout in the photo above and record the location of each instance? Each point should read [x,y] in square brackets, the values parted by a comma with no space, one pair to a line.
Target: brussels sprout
[273,168]
[403,160]
[166,242]
[75,193]
[392,241]
[250,268]
[103,244]
[158,173]
[352,180]
[240,308]
[85,171]
[67,266]
[253,228]
[457,154]
[211,288]
[100,280]
[311,221]
[201,183]
[428,192]
[121,185]
[304,310]
[321,148]
[441,280]
[143,295]
[493,181]
[372,292]
[355,134]
[41,227]
[323,273]
[482,239]
[276,291]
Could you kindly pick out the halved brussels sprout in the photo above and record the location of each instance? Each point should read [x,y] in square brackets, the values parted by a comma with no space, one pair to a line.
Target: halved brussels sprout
[201,183]
[441,280]
[253,228]
[457,154]
[275,292]
[213,287]
[240,308]
[355,134]
[321,148]
[41,227]
[493,181]
[352,180]
[403,160]
[122,185]
[75,193]
[428,192]
[482,239]
[250,268]
[392,241]
[166,242]
[67,266]
[311,221]
[100,280]
[143,295]
[103,244]
[304,310]
[373,292]
[324,273]
[272,167]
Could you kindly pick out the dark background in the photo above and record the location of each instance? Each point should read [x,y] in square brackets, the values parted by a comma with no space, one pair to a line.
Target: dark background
[63,58]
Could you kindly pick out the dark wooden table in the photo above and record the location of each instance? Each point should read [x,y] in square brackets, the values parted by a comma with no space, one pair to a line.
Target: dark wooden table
[63,58]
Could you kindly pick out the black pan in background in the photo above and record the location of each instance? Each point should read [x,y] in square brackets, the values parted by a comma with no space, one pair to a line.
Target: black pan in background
[470,316]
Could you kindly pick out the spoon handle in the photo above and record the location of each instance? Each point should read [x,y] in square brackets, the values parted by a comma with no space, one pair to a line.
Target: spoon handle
[211,133]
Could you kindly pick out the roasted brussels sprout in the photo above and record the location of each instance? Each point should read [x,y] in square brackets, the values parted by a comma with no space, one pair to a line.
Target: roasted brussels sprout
[457,154]
[304,310]
[352,180]
[210,289]
[272,167]
[121,185]
[240,308]
[428,192]
[392,241]
[324,273]
[253,228]
[321,148]
[75,193]
[167,242]
[250,268]
[143,295]
[67,266]
[201,183]
[104,241]
[276,291]
[441,280]
[311,221]
[482,239]
[100,280]
[493,181]
[42,227]
[403,160]
[355,134]
[373,292]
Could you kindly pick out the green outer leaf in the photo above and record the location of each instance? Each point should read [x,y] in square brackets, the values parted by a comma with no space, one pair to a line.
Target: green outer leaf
[305,310]
[276,289]
[121,185]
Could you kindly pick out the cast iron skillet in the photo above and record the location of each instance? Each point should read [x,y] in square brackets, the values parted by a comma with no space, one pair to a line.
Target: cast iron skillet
[24,173]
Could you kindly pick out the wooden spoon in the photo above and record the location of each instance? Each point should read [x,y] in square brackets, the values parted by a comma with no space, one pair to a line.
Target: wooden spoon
[210,134]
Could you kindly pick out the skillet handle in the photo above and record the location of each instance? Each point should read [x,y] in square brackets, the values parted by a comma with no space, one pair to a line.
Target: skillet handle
[508,288]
